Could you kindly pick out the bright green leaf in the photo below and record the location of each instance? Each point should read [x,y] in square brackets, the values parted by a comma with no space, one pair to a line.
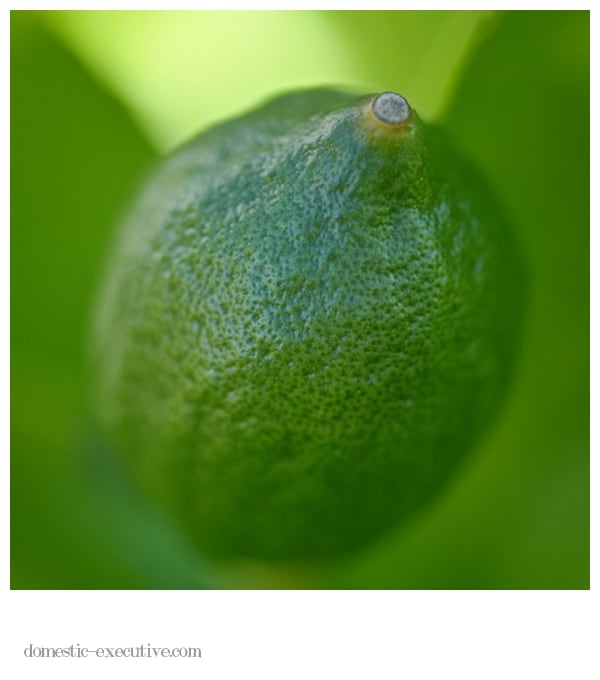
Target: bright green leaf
[182,71]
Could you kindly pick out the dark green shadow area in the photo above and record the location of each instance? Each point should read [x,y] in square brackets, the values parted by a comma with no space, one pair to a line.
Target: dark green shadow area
[75,154]
[517,516]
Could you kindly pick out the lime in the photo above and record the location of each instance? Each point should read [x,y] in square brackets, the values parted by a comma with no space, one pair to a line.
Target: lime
[308,319]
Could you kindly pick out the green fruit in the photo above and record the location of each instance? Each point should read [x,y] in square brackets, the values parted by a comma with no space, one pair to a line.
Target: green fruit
[308,320]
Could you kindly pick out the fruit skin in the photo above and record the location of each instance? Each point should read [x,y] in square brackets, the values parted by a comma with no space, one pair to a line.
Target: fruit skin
[308,320]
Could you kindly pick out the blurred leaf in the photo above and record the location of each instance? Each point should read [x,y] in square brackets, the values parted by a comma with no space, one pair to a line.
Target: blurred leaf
[74,156]
[74,521]
[419,53]
[528,125]
[518,516]
[181,71]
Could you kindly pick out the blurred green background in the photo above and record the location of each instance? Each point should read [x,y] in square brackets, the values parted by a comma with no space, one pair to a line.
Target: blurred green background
[97,96]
